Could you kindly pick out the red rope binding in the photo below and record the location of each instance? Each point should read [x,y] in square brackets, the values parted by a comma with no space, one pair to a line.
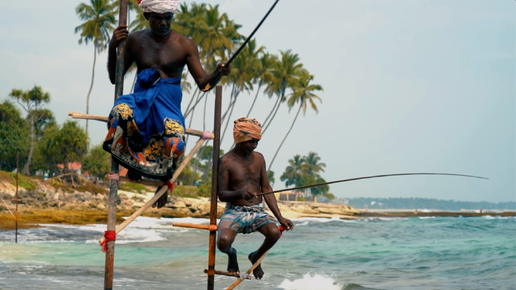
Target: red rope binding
[110,236]
[170,185]
[281,228]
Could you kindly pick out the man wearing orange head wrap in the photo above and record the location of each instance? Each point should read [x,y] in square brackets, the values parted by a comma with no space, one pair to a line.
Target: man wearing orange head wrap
[243,174]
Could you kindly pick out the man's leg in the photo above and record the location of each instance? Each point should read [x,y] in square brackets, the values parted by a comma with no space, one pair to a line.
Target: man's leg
[272,234]
[225,239]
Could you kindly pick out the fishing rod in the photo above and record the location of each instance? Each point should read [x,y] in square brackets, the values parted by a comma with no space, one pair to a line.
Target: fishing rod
[366,177]
[218,74]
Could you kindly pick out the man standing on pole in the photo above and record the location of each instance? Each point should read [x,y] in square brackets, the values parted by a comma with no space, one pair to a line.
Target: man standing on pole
[146,128]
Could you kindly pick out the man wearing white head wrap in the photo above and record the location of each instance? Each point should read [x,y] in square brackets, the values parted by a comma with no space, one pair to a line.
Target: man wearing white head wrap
[146,128]
[159,6]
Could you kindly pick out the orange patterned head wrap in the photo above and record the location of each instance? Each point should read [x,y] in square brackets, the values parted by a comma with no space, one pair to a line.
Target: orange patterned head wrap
[246,129]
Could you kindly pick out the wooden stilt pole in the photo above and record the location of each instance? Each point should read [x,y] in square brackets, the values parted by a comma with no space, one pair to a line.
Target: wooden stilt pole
[214,184]
[113,183]
[16,200]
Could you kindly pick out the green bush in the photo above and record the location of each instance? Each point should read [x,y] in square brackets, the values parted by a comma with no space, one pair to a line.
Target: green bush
[301,198]
[204,190]
[23,181]
[184,191]
[134,187]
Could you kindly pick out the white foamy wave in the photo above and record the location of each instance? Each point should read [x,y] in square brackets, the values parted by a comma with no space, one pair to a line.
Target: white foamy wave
[387,219]
[490,217]
[426,217]
[131,235]
[309,282]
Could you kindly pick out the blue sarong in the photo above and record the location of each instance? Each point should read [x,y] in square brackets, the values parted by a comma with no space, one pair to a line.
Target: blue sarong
[146,128]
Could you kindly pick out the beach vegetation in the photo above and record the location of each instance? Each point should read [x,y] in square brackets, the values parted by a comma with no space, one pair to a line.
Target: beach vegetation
[184,191]
[32,102]
[14,136]
[134,187]
[97,162]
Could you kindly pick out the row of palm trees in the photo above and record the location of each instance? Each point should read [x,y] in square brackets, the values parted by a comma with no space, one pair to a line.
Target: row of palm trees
[281,78]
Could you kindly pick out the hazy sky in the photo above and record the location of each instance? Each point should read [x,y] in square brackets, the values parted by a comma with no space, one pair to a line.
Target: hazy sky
[409,86]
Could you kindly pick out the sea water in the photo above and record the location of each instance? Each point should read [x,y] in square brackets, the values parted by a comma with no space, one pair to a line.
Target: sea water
[328,254]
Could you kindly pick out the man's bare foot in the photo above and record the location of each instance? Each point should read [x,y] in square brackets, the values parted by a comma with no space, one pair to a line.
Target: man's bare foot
[134,177]
[232,261]
[257,272]
[162,200]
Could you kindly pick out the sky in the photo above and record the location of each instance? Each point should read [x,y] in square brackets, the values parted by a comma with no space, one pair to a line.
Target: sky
[409,86]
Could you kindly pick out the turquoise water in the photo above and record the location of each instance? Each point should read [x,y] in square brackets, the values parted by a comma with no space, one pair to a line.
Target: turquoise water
[394,253]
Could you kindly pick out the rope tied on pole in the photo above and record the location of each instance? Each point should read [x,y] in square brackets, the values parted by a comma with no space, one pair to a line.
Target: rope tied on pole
[109,236]
[206,135]
[170,185]
[113,176]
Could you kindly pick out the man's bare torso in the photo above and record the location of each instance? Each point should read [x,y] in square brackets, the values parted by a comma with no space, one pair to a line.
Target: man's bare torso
[244,173]
[168,54]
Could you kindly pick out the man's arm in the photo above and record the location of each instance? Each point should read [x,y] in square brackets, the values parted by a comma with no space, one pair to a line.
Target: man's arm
[194,66]
[270,199]
[223,191]
[119,34]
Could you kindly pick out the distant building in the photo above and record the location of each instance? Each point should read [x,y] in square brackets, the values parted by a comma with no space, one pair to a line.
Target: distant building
[288,195]
[72,166]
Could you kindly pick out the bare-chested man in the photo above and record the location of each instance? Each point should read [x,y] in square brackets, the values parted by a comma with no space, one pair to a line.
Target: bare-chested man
[242,174]
[146,128]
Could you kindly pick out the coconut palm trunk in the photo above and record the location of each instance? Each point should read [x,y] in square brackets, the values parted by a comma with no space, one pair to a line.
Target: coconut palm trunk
[286,135]
[91,85]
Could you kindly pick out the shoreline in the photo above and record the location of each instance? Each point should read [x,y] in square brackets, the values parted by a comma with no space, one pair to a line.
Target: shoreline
[30,218]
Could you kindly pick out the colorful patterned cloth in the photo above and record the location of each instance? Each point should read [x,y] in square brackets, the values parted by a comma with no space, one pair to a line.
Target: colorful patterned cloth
[159,6]
[146,129]
[246,129]
[244,219]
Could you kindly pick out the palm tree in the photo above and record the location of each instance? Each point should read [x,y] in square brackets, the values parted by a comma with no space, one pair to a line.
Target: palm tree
[99,18]
[311,164]
[32,102]
[243,74]
[284,74]
[294,171]
[303,94]
[263,74]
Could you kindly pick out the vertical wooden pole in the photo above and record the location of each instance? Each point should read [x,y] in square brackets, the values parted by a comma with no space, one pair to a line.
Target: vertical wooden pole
[113,183]
[16,200]
[214,184]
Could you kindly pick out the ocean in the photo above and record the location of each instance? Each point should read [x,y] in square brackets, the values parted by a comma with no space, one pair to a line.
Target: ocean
[328,254]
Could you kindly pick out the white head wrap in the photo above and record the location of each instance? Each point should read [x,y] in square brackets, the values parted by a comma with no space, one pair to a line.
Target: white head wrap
[159,6]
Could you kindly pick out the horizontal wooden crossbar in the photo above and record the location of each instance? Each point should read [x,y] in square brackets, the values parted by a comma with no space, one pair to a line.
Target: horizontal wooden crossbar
[76,115]
[211,228]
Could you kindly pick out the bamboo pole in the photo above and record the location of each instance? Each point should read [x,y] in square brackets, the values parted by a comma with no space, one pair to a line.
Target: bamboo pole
[76,115]
[246,275]
[113,183]
[214,185]
[161,191]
